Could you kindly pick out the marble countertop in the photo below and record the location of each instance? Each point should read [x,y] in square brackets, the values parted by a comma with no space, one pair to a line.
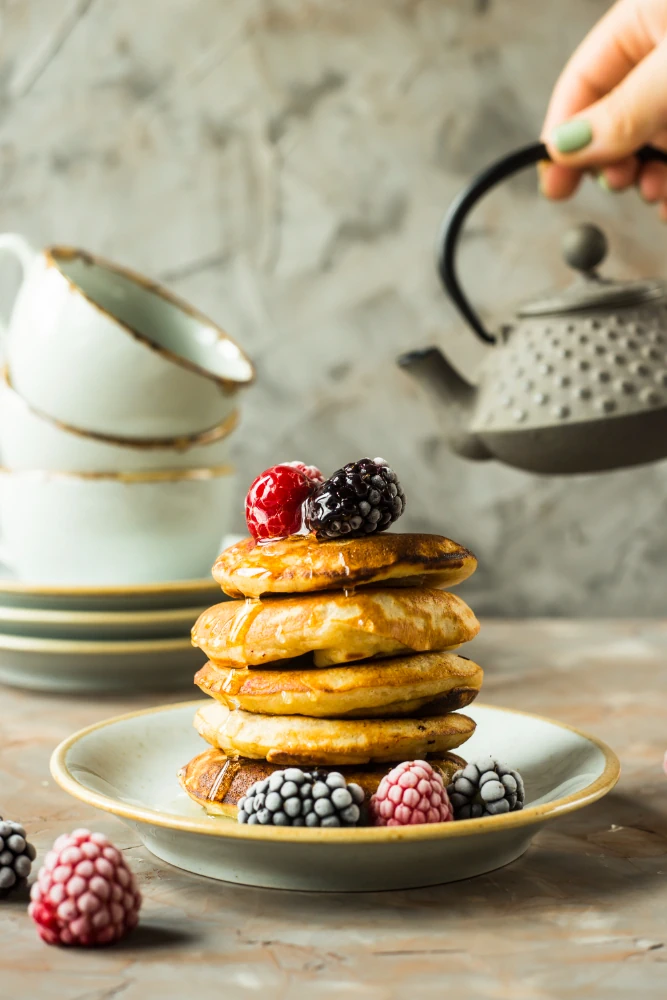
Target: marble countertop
[582,915]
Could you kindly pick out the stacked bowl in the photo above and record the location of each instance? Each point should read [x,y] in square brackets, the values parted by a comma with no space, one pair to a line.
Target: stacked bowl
[117,404]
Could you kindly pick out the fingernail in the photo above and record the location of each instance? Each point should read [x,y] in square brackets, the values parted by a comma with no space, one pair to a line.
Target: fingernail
[542,168]
[647,201]
[606,186]
[571,136]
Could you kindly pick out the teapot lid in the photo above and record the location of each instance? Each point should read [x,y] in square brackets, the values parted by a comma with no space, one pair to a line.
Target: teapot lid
[584,248]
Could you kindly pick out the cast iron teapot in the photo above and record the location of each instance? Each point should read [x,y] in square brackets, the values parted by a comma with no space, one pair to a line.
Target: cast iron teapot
[577,381]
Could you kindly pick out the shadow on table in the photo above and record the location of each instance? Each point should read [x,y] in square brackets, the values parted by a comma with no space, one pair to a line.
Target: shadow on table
[154,937]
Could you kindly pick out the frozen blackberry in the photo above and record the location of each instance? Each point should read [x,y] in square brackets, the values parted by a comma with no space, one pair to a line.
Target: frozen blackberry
[360,498]
[335,803]
[486,787]
[301,798]
[16,854]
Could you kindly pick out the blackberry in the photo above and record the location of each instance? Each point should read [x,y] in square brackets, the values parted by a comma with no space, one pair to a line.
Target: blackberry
[301,798]
[16,854]
[486,787]
[360,498]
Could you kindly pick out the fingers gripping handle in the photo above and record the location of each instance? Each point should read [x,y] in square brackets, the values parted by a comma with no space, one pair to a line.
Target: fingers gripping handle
[468,198]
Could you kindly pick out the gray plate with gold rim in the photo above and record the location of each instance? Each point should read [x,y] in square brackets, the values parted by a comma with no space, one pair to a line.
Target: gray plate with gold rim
[128,765]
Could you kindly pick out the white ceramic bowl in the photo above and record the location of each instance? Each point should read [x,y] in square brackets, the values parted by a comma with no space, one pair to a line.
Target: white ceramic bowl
[93,528]
[100,347]
[68,666]
[31,440]
[128,766]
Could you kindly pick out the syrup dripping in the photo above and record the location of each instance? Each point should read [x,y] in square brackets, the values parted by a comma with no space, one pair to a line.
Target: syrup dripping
[225,776]
[242,620]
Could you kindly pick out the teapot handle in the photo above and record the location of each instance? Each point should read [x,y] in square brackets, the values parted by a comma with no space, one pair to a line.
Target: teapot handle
[456,216]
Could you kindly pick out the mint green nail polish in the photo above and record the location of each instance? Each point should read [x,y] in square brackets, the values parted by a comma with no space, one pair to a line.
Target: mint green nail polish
[605,185]
[571,136]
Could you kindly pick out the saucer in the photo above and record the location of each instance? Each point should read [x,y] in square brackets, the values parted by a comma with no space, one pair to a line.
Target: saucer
[128,765]
[137,597]
[99,625]
[65,665]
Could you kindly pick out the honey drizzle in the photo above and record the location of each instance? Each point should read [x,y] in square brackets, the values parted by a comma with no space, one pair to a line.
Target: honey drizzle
[242,620]
[225,775]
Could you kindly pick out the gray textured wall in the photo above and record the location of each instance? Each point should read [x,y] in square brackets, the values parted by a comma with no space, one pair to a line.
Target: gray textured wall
[284,164]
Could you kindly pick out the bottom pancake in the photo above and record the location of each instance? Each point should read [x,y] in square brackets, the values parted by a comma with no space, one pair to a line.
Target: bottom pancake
[217,782]
[295,739]
[402,685]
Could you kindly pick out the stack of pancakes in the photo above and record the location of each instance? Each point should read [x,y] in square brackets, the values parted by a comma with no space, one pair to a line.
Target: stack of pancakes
[336,654]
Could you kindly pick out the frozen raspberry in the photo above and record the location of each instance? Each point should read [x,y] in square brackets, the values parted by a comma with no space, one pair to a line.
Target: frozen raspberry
[410,794]
[308,470]
[274,504]
[84,894]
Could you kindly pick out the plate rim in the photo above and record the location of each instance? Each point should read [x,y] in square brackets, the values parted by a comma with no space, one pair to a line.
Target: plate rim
[198,585]
[209,826]
[63,616]
[11,643]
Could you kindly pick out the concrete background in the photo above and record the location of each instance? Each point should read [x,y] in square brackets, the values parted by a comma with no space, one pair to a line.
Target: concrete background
[284,164]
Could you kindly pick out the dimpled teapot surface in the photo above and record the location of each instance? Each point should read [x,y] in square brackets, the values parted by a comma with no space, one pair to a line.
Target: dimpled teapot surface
[576,368]
[577,381]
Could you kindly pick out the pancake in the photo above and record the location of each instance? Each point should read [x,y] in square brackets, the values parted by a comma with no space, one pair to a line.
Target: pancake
[294,739]
[302,564]
[335,627]
[398,686]
[217,782]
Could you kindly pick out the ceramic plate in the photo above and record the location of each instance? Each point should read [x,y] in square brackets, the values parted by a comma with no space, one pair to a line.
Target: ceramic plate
[128,765]
[138,597]
[65,665]
[99,625]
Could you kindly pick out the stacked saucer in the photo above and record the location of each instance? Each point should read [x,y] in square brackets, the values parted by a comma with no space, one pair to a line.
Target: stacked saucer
[354,670]
[117,406]
[94,639]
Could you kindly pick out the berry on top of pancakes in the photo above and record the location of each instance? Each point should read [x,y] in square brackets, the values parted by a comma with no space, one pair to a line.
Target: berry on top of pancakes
[359,499]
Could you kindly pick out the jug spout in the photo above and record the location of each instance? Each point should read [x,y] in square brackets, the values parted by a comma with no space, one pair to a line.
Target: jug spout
[430,367]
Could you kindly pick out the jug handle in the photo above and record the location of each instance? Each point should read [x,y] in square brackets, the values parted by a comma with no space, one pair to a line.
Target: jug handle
[462,204]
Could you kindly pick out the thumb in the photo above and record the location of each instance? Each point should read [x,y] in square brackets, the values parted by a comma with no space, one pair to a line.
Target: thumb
[616,126]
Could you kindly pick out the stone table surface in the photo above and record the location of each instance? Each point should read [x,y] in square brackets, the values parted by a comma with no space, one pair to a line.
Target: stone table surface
[582,915]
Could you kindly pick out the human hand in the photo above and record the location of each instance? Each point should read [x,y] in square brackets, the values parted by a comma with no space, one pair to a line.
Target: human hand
[611,99]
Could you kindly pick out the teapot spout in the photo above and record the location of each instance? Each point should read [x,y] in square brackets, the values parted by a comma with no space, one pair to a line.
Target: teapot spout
[430,367]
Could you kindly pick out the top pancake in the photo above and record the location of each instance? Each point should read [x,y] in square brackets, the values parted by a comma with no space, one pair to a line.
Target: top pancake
[301,564]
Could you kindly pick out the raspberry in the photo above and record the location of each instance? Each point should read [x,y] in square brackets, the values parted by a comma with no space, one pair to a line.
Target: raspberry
[308,470]
[84,894]
[410,794]
[274,504]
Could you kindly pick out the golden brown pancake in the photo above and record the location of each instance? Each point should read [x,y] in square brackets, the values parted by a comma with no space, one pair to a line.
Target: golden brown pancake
[301,564]
[217,782]
[405,685]
[338,629]
[294,739]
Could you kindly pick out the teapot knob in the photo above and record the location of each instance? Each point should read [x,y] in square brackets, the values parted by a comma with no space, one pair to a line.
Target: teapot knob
[584,247]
